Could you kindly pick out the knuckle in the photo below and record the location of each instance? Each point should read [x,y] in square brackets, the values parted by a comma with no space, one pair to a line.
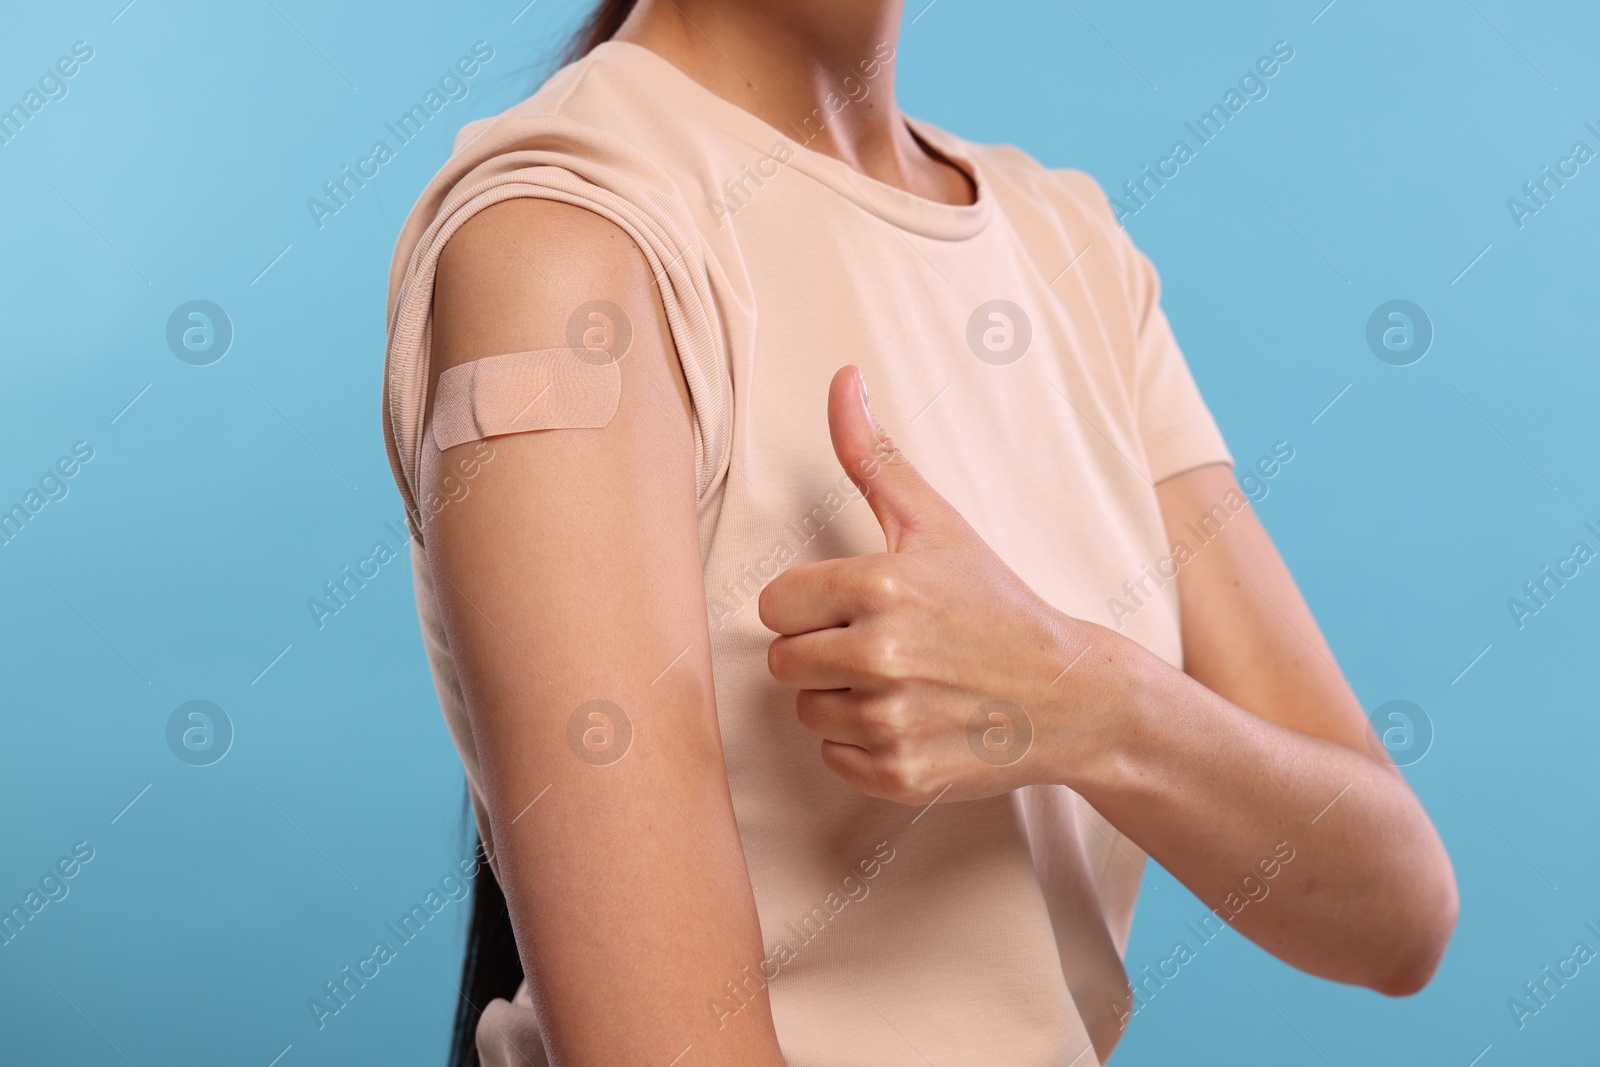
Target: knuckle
[777,659]
[805,708]
[887,720]
[887,656]
[883,587]
[903,778]
[836,584]
[769,601]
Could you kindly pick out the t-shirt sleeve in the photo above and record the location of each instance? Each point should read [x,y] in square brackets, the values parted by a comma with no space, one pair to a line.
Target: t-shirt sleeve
[1175,425]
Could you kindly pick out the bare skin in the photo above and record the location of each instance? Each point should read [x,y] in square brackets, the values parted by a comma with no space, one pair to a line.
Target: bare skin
[1260,742]
[572,573]
[779,60]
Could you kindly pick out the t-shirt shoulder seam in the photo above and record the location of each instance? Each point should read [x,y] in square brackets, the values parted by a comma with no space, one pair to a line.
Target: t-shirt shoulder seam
[578,79]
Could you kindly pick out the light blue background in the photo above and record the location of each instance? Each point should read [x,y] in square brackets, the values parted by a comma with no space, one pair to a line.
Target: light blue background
[179,565]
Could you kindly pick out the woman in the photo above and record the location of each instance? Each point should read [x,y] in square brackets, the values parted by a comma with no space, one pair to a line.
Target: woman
[792,744]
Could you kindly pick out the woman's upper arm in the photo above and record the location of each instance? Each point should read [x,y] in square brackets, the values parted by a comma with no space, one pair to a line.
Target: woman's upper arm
[571,573]
[1247,632]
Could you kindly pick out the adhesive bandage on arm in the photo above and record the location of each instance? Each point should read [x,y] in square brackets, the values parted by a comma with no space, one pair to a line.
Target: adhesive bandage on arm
[551,389]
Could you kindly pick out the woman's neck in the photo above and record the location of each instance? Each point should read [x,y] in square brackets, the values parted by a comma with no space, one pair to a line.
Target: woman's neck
[824,67]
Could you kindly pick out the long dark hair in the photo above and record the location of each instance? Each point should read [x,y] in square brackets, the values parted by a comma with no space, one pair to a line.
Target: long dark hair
[601,25]
[492,967]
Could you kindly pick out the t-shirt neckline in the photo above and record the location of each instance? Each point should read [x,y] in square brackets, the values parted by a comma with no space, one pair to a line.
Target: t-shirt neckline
[890,204]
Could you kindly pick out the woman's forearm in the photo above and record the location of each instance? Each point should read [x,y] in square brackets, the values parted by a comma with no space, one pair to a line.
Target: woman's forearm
[1218,796]
[931,672]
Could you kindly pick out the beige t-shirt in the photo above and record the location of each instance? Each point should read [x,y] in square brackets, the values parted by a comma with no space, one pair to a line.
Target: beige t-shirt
[1016,350]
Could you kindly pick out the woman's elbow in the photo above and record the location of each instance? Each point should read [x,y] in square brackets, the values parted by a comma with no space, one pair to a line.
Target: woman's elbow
[1420,944]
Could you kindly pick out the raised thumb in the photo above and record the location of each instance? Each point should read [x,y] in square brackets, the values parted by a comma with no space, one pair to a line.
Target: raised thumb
[912,514]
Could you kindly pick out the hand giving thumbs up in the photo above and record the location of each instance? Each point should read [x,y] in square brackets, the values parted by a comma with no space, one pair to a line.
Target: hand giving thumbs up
[930,666]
